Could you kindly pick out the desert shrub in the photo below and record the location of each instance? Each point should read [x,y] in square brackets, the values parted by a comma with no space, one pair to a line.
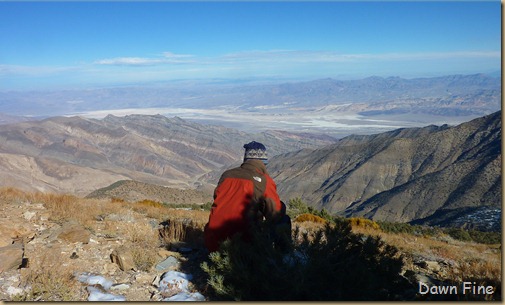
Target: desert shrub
[364,223]
[117,200]
[49,278]
[150,203]
[485,237]
[309,217]
[206,206]
[335,265]
[399,227]
[459,234]
[143,242]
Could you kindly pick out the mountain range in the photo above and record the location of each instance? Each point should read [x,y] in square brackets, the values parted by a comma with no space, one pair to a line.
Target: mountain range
[429,175]
[403,175]
[78,155]
[251,96]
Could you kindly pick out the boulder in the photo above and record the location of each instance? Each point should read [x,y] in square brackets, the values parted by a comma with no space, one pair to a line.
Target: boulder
[123,258]
[11,257]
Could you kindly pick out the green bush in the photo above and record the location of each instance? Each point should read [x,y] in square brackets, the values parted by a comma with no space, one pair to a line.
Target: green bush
[335,265]
[296,207]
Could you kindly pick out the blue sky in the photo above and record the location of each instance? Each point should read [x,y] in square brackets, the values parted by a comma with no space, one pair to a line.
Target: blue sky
[73,45]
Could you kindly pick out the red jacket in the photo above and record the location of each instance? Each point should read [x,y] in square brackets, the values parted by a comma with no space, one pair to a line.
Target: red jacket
[242,194]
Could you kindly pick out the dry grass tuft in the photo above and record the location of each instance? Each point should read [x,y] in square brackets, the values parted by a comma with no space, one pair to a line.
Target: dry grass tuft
[144,242]
[50,279]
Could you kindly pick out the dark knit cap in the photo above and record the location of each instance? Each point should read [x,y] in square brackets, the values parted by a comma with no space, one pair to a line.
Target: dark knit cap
[255,150]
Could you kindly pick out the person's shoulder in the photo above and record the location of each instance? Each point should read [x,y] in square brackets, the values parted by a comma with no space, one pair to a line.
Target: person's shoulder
[237,172]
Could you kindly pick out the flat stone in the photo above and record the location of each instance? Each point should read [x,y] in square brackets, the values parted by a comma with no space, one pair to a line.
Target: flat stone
[73,232]
[169,263]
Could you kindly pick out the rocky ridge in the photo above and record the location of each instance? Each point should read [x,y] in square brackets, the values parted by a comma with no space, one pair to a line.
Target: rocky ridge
[133,191]
[400,176]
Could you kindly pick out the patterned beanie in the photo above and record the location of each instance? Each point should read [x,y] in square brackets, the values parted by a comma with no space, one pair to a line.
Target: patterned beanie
[255,150]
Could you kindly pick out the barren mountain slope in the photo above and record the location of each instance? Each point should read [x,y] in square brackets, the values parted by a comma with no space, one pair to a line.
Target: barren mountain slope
[401,175]
[79,155]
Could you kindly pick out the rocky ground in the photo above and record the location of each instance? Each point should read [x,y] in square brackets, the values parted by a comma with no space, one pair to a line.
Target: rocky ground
[33,246]
[122,252]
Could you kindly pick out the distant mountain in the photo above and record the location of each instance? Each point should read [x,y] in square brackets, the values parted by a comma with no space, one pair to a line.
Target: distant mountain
[404,175]
[9,119]
[80,155]
[307,94]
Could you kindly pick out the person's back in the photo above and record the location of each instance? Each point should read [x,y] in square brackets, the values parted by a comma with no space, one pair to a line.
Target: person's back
[243,196]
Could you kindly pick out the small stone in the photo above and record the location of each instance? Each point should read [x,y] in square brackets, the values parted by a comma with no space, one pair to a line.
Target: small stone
[156,281]
[120,287]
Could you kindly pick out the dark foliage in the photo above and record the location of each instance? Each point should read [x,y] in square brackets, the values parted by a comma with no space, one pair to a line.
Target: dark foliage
[335,265]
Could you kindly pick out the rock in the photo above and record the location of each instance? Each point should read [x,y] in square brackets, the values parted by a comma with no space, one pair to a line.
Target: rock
[120,287]
[11,257]
[144,278]
[429,265]
[123,258]
[168,264]
[10,230]
[29,215]
[73,232]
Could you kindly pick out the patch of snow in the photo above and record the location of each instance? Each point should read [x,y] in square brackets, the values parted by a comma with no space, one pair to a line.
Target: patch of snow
[176,284]
[185,296]
[95,280]
[96,295]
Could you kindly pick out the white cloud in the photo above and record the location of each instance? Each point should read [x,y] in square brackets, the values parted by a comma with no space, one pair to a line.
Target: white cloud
[166,58]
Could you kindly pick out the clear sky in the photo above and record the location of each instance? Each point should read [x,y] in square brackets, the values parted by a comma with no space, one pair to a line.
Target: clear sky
[78,44]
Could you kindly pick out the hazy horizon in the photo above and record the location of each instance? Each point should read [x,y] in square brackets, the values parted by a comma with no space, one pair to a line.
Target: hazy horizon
[79,45]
